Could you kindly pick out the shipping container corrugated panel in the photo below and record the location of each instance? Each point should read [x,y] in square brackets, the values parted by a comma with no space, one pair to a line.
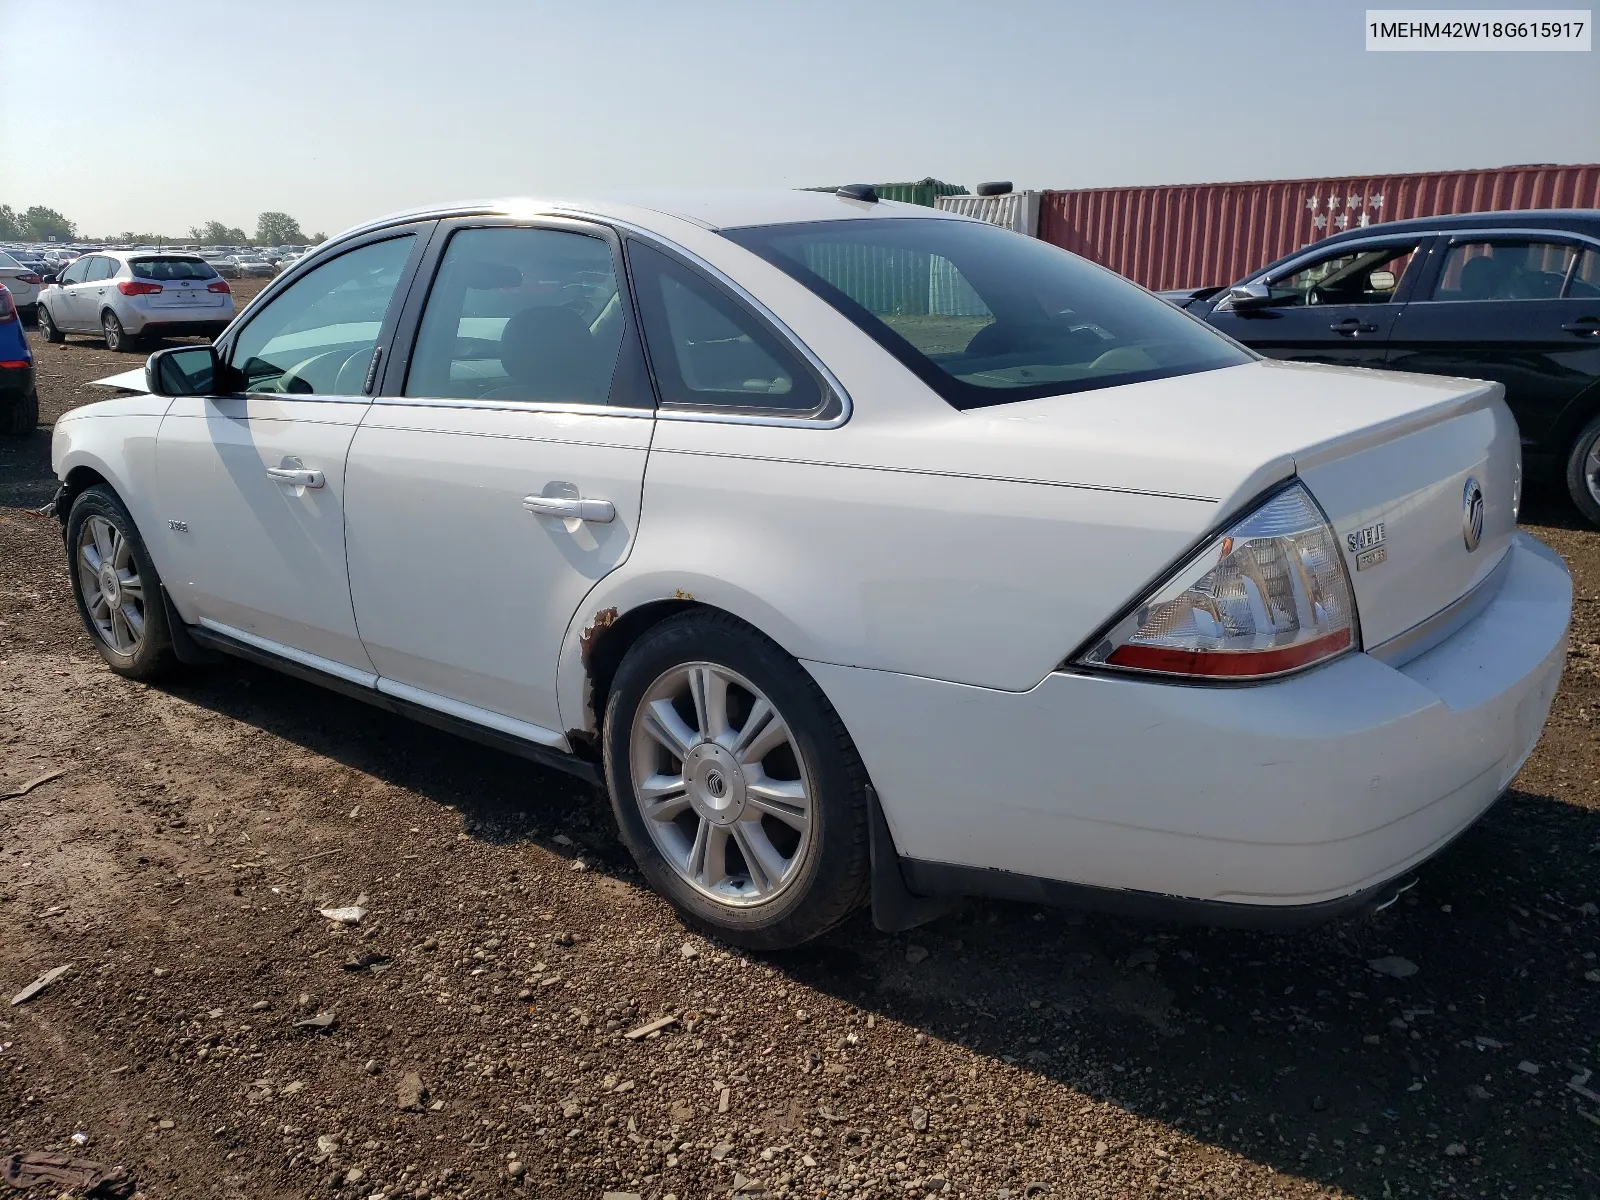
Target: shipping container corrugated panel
[1203,235]
[1018,211]
[923,191]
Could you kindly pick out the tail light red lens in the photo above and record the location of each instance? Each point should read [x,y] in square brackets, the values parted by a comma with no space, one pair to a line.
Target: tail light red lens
[138,287]
[218,285]
[8,307]
[31,278]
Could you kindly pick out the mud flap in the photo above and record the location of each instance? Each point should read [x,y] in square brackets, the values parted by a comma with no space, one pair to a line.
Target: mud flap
[895,908]
[185,648]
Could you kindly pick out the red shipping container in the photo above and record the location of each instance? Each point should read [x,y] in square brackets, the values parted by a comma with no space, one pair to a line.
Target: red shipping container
[1199,235]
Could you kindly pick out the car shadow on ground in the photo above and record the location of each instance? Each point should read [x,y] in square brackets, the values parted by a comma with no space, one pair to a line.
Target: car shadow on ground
[1286,1047]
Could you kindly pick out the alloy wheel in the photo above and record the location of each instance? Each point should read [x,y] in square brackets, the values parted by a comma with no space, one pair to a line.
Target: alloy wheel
[113,593]
[113,332]
[1591,470]
[721,784]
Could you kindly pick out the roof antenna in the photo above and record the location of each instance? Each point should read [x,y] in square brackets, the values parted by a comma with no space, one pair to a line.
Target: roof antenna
[864,192]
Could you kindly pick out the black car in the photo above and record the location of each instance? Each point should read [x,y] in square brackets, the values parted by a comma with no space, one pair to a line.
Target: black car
[1508,296]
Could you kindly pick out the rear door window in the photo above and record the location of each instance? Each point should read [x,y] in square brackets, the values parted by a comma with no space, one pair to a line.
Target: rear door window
[523,314]
[1584,283]
[1504,269]
[101,268]
[318,335]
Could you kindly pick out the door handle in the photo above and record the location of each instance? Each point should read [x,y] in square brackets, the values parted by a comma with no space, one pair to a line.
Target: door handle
[1353,325]
[1589,326]
[296,476]
[571,508]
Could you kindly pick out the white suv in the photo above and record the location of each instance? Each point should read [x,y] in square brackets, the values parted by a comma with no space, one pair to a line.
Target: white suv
[128,295]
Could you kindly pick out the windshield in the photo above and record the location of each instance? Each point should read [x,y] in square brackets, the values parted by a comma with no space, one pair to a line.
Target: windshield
[171,268]
[985,316]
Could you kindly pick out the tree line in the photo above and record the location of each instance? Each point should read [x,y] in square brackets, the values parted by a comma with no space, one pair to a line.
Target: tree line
[41,224]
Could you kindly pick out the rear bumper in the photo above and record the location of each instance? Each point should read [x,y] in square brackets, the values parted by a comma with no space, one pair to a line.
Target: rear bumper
[1314,793]
[184,323]
[15,382]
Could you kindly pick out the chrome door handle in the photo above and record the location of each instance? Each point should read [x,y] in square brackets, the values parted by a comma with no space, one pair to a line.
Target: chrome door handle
[569,508]
[300,478]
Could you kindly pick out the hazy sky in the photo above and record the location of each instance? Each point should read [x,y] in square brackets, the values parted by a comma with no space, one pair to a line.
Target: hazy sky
[154,116]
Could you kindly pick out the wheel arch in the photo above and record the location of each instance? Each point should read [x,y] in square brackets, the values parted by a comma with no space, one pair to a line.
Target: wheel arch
[1573,418]
[615,614]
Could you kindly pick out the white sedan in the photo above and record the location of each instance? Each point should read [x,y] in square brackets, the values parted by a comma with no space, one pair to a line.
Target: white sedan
[862,551]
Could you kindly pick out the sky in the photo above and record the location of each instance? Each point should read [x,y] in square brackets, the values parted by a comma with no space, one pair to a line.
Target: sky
[160,115]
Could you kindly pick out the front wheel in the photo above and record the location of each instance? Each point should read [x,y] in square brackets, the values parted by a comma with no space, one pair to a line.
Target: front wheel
[1583,472]
[735,785]
[47,327]
[116,586]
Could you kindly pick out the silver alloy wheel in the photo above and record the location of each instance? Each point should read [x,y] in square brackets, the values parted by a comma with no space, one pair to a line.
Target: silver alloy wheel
[721,784]
[113,331]
[113,594]
[1591,470]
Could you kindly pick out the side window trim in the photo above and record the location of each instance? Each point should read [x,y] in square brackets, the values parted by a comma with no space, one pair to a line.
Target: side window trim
[408,326]
[420,231]
[829,416]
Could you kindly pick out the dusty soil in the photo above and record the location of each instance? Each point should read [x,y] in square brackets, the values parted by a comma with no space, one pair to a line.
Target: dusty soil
[179,861]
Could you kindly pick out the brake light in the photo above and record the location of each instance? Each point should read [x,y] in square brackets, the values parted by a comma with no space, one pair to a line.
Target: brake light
[31,278]
[16,364]
[1268,597]
[8,307]
[138,287]
[218,285]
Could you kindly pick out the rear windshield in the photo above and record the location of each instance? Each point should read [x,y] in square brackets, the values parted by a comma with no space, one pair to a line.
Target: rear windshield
[8,262]
[985,316]
[171,268]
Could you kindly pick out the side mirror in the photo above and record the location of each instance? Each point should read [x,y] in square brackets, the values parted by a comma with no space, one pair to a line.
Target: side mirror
[1249,295]
[183,371]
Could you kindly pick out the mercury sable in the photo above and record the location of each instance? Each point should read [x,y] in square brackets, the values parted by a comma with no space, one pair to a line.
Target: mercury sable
[863,551]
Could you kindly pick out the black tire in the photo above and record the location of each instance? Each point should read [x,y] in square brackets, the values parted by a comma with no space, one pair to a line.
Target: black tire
[153,655]
[47,327]
[22,417]
[117,339]
[1578,474]
[835,875]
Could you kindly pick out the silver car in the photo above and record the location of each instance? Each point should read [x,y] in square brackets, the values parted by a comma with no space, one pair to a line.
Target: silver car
[22,281]
[125,296]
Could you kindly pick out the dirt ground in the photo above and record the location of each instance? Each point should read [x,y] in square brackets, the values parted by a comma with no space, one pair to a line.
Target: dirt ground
[178,861]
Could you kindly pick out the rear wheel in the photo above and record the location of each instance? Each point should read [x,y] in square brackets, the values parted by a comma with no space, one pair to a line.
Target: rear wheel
[22,418]
[47,327]
[1583,472]
[735,785]
[116,587]
[117,340]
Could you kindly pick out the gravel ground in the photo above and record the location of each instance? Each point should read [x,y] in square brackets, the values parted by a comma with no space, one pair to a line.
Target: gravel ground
[480,1010]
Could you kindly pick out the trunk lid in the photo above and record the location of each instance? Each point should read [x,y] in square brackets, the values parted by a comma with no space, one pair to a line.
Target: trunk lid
[1387,455]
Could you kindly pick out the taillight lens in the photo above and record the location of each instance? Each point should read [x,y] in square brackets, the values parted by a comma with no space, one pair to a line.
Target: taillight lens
[8,307]
[218,285]
[31,278]
[1268,597]
[138,287]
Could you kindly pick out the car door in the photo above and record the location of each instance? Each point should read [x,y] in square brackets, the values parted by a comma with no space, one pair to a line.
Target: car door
[1520,309]
[252,482]
[1337,306]
[93,292]
[499,475]
[64,304]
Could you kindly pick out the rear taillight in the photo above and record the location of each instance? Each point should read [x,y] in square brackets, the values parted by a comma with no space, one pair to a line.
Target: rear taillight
[1268,597]
[31,278]
[138,287]
[8,307]
[15,364]
[218,285]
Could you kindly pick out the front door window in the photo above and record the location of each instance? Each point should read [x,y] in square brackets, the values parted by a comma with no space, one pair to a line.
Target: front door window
[1366,276]
[317,336]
